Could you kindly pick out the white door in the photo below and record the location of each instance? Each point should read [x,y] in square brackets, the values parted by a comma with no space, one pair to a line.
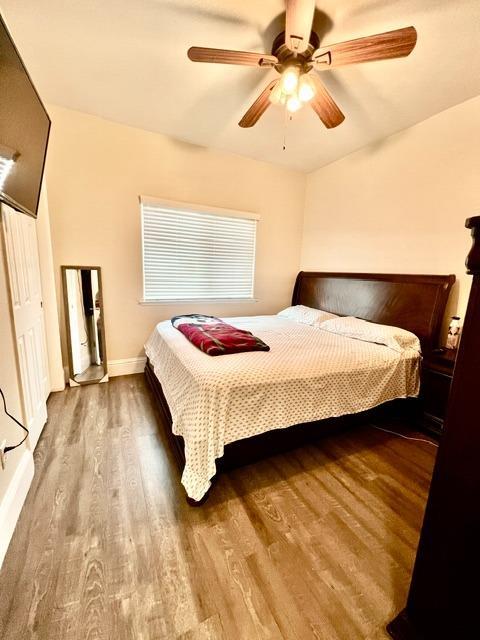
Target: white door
[24,274]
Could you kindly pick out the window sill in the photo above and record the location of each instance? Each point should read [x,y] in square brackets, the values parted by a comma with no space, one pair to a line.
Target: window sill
[199,301]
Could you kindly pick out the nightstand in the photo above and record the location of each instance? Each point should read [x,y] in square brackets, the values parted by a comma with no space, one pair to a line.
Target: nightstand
[436,379]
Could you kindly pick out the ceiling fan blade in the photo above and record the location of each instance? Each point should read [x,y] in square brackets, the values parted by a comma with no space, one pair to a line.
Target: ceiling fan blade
[325,106]
[224,56]
[258,108]
[392,44]
[299,22]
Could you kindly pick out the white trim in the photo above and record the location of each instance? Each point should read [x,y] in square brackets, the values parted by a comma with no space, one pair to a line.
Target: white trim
[168,213]
[57,389]
[126,366]
[191,207]
[122,367]
[200,301]
[143,245]
[12,503]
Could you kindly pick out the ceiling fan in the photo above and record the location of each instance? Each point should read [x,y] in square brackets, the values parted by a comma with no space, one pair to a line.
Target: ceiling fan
[296,52]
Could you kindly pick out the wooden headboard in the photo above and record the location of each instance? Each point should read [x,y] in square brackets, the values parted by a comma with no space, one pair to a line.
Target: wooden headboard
[413,302]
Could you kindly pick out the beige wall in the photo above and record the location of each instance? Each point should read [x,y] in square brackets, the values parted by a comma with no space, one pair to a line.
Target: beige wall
[8,380]
[49,297]
[96,170]
[401,204]
[398,206]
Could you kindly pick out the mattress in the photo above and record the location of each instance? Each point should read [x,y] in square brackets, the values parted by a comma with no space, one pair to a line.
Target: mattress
[308,375]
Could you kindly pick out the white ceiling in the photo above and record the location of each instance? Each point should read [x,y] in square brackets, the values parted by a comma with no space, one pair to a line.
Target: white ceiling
[126,61]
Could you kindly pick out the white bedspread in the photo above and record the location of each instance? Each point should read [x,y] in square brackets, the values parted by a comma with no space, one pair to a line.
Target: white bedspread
[307,375]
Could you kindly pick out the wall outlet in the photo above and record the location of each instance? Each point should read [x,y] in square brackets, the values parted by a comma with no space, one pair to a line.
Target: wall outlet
[3,455]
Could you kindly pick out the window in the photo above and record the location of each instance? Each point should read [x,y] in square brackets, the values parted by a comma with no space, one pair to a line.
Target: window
[196,253]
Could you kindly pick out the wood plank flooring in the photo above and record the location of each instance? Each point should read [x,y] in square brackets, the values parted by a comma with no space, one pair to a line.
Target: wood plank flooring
[317,543]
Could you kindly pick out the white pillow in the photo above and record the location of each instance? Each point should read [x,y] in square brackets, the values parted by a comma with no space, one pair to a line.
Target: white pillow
[392,337]
[306,315]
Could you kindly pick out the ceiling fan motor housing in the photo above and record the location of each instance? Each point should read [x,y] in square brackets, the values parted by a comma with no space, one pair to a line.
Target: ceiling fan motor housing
[286,57]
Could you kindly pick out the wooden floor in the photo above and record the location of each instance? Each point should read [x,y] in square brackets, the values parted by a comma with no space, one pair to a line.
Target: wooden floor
[316,543]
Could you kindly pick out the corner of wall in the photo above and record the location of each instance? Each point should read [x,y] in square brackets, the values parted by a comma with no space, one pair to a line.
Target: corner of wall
[50,304]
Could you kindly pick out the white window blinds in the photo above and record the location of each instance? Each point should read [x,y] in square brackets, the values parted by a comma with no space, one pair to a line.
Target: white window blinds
[195,254]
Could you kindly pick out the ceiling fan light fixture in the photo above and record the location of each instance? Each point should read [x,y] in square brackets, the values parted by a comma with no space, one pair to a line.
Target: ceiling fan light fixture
[295,52]
[293,103]
[289,80]
[306,88]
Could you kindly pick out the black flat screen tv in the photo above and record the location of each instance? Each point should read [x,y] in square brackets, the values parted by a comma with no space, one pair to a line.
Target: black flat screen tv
[24,131]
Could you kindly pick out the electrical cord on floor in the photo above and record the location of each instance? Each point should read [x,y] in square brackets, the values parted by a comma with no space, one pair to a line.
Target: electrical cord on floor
[7,449]
[400,435]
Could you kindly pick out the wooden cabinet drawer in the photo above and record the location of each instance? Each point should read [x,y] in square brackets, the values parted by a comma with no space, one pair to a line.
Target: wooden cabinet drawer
[434,392]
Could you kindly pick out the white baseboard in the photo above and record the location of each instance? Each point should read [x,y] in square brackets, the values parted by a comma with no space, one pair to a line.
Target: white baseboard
[13,500]
[55,389]
[126,366]
[122,367]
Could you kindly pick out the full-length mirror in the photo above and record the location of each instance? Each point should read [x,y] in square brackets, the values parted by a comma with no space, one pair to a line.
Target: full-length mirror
[82,291]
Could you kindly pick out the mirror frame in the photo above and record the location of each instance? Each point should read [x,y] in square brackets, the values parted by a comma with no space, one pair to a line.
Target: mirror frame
[66,310]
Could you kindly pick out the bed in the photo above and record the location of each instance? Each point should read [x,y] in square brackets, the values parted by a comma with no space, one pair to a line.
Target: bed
[309,377]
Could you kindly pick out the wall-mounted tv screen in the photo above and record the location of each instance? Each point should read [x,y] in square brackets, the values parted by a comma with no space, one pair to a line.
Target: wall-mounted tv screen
[24,130]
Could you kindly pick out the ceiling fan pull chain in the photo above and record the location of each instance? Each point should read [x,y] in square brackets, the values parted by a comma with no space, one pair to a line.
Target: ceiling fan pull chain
[288,117]
[285,119]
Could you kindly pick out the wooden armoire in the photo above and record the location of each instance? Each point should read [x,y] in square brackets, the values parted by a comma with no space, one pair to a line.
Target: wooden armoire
[444,596]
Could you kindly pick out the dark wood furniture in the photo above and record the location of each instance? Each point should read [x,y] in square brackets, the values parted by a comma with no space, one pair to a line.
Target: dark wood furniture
[413,302]
[443,598]
[437,375]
